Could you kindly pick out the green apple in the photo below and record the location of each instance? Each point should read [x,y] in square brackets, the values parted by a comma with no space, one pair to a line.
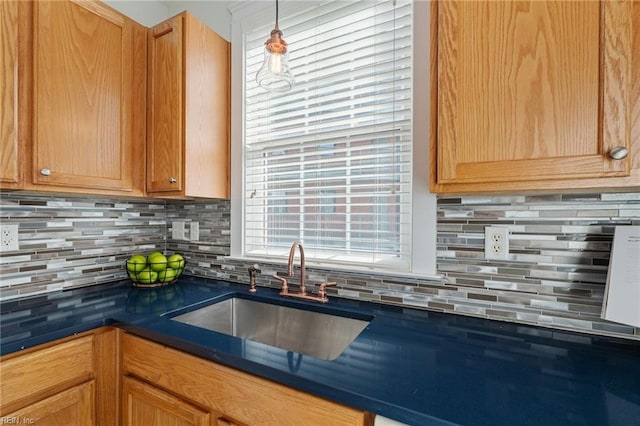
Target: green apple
[136,263]
[167,275]
[157,262]
[147,277]
[176,261]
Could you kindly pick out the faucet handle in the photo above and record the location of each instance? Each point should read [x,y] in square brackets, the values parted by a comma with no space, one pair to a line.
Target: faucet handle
[322,291]
[285,288]
[253,269]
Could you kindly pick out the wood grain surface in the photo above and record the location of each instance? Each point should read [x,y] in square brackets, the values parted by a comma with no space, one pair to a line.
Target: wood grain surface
[233,394]
[41,373]
[165,113]
[207,111]
[144,405]
[72,407]
[9,92]
[189,110]
[530,94]
[86,97]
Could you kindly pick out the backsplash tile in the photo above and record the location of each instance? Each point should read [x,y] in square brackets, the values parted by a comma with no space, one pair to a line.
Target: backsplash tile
[68,241]
[559,254]
[555,275]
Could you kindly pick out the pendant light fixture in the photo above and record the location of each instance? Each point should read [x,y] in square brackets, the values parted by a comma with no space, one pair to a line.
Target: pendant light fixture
[275,75]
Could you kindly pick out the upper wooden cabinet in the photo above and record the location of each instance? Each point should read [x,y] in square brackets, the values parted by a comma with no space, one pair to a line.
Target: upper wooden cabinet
[534,95]
[85,92]
[9,165]
[188,120]
[78,106]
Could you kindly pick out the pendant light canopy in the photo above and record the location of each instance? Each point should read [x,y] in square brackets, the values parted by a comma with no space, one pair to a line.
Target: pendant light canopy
[275,75]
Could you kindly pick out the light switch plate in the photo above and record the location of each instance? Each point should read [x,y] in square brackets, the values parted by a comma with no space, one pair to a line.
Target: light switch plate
[194,233]
[9,237]
[177,230]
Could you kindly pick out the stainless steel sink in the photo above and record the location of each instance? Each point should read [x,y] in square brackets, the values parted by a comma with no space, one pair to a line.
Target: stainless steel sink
[316,334]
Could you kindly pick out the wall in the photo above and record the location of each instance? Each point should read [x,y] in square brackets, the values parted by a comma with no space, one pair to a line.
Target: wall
[555,276]
[212,13]
[145,12]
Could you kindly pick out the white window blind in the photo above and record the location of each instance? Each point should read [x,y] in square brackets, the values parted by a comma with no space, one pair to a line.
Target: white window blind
[329,163]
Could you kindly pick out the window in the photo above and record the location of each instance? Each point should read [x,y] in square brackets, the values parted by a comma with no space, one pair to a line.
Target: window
[330,163]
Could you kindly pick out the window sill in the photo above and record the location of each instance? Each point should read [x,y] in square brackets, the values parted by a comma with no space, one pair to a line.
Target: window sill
[343,269]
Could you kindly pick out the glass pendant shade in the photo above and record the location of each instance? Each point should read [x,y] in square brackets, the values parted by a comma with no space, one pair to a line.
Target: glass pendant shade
[275,75]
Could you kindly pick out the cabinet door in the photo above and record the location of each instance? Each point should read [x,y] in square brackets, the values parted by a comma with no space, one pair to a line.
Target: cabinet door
[74,406]
[8,92]
[531,90]
[207,104]
[165,115]
[240,398]
[45,371]
[145,405]
[82,96]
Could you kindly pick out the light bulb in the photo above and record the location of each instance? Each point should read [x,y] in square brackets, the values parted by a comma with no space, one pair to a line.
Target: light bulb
[275,63]
[275,75]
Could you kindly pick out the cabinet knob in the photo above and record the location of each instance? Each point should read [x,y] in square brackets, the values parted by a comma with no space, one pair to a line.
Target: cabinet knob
[45,172]
[172,180]
[618,153]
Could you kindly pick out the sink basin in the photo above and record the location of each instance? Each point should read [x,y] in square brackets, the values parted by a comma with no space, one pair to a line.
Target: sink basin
[320,335]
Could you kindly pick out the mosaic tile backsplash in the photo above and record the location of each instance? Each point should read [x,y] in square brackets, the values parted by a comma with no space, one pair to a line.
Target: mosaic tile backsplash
[554,277]
[68,242]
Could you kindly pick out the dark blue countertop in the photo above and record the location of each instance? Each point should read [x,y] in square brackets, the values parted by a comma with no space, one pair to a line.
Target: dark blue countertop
[418,367]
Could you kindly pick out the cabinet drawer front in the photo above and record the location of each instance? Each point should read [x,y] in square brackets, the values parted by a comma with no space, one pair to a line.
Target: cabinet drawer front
[28,376]
[74,406]
[242,397]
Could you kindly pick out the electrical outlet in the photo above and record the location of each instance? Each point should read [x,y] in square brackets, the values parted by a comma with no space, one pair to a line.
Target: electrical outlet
[9,237]
[177,230]
[194,233]
[496,242]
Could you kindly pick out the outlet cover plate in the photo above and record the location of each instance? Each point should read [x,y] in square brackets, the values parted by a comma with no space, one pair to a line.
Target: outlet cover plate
[9,237]
[496,242]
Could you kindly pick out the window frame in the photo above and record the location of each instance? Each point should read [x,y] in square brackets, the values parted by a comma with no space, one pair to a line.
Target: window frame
[423,216]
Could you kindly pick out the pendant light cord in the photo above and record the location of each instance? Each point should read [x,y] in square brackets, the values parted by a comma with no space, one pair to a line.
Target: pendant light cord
[276,13]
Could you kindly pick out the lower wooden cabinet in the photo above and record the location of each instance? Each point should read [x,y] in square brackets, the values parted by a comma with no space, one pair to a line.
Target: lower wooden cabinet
[108,377]
[73,381]
[35,375]
[231,397]
[145,405]
[74,406]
